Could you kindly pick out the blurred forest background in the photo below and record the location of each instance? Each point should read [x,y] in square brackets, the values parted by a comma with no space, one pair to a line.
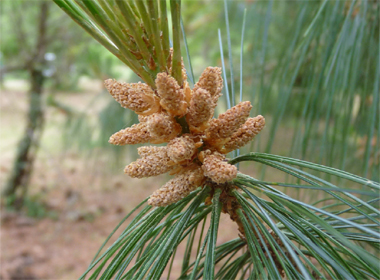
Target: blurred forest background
[310,67]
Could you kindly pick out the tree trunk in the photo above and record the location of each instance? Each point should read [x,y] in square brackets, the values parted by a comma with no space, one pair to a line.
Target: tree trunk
[16,187]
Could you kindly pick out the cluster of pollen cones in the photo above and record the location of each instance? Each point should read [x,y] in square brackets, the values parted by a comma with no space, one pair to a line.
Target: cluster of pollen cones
[183,118]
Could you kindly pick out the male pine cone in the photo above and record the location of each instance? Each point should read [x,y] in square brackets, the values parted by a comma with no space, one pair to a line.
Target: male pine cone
[196,151]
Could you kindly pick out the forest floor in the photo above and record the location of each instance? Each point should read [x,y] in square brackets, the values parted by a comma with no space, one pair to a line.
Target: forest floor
[74,202]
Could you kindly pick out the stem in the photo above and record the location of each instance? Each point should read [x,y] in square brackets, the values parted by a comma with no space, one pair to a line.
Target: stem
[184,125]
[153,12]
[165,30]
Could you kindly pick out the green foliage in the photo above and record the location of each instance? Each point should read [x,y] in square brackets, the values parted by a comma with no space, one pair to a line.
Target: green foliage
[127,30]
[282,233]
[312,77]
[304,67]
[311,68]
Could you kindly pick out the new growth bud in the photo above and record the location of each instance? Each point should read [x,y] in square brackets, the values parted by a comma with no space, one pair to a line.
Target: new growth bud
[227,124]
[217,169]
[172,96]
[211,80]
[137,97]
[162,128]
[200,111]
[181,149]
[245,133]
[154,162]
[177,188]
[136,134]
